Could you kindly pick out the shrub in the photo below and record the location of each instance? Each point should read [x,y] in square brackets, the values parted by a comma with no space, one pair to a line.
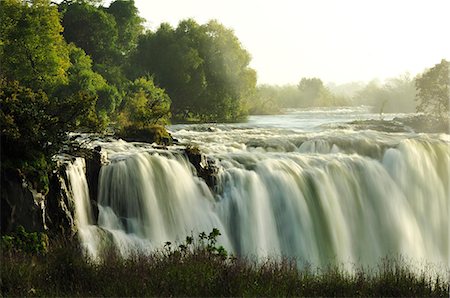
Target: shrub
[26,242]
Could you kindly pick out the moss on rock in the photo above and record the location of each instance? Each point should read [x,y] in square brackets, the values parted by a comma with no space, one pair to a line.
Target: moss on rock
[151,134]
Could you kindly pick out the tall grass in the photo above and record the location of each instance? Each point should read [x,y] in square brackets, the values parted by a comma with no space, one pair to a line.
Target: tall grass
[200,270]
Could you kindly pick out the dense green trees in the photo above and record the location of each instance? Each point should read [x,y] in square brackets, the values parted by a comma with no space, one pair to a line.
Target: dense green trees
[36,67]
[92,29]
[433,90]
[32,49]
[203,68]
[47,88]
[80,66]
[129,25]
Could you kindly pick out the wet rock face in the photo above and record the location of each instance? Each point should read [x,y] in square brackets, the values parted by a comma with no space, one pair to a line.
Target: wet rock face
[93,165]
[60,206]
[206,168]
[23,206]
[20,204]
[54,212]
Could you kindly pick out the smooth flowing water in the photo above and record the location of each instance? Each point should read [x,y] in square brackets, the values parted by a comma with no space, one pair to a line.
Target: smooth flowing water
[303,185]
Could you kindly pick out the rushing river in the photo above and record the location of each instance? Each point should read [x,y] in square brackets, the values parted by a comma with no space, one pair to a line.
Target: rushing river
[305,184]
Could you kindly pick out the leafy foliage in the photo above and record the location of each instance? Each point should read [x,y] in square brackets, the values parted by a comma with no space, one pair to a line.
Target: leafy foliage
[129,24]
[144,105]
[23,241]
[90,28]
[433,90]
[32,50]
[32,125]
[204,244]
[203,68]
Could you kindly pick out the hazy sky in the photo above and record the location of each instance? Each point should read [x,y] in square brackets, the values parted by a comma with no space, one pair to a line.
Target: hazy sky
[337,41]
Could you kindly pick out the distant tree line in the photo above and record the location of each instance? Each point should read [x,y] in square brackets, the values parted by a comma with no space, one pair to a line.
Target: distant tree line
[426,93]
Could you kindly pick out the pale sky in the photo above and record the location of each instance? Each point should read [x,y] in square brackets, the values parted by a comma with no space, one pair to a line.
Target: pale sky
[337,41]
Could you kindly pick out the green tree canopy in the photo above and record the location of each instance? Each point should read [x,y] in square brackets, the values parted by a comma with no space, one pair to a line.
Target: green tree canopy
[203,68]
[83,80]
[433,90]
[45,81]
[92,29]
[32,49]
[33,124]
[129,24]
[144,105]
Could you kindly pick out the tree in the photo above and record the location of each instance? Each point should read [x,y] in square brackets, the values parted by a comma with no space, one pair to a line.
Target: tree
[144,105]
[433,90]
[92,29]
[48,87]
[229,78]
[373,94]
[83,80]
[33,126]
[400,94]
[314,93]
[32,50]
[203,68]
[129,24]
[175,63]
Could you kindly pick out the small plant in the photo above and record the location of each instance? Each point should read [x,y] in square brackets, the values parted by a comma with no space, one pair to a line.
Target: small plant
[206,244]
[23,241]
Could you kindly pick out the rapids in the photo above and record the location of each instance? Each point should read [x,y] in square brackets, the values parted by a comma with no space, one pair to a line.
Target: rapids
[299,185]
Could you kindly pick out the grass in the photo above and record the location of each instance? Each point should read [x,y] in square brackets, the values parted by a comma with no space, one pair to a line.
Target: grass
[199,270]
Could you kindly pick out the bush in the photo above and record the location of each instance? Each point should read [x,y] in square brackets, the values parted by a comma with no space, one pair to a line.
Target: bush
[22,241]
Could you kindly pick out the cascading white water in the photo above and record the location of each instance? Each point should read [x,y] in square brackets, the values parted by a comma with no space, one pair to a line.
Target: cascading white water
[339,207]
[78,186]
[326,196]
[156,198]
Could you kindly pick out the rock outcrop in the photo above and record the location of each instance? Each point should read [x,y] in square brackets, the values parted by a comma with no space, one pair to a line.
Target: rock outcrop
[54,212]
[20,203]
[206,168]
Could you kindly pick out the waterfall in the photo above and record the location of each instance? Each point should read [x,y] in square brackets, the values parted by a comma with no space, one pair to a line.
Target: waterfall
[339,207]
[156,198]
[78,186]
[319,203]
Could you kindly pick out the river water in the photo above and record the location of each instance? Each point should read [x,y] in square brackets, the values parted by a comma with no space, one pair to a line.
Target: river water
[306,185]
